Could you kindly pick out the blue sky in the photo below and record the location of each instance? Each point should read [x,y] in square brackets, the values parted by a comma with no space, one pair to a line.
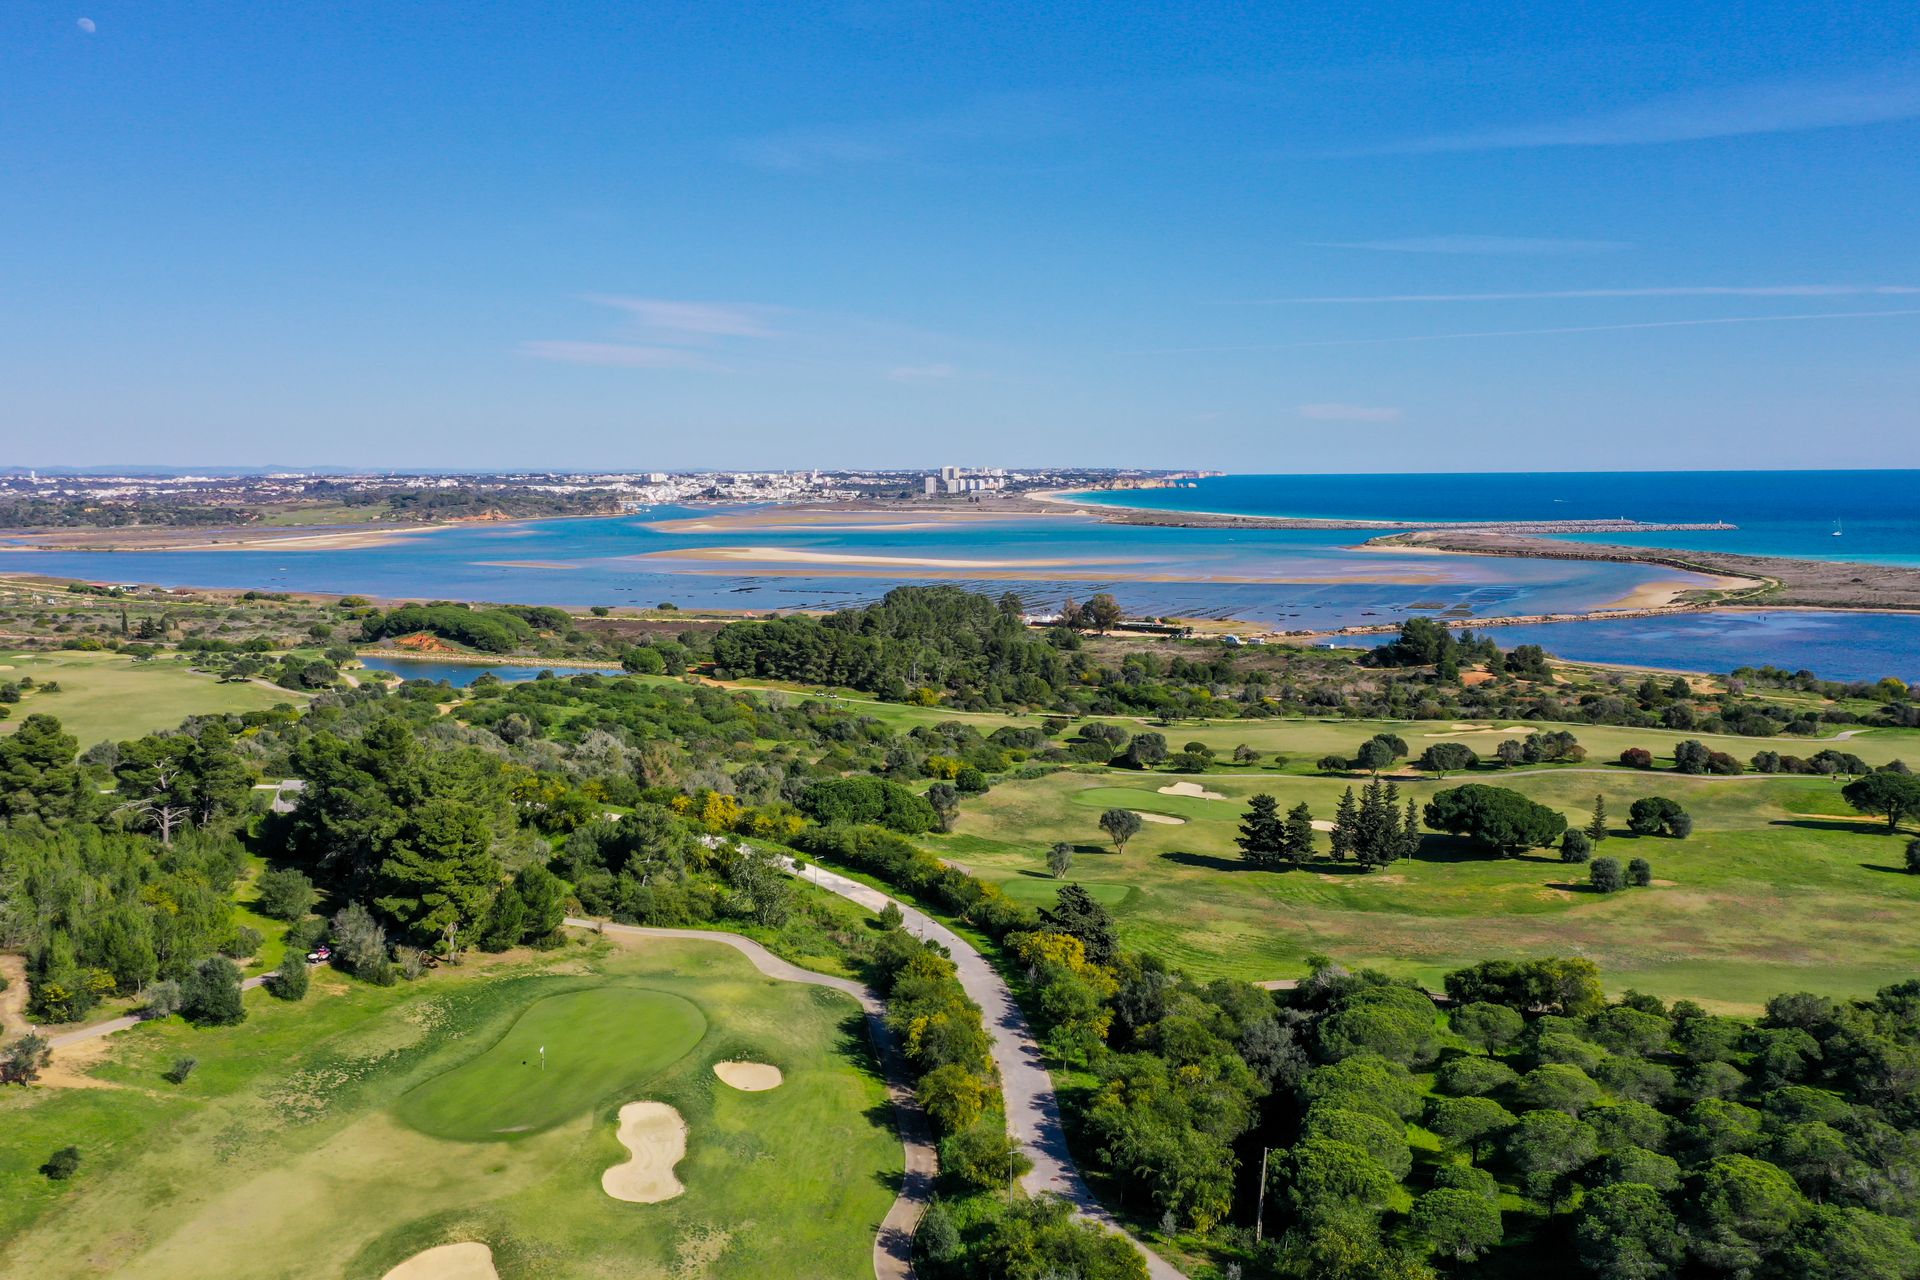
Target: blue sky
[1311,237]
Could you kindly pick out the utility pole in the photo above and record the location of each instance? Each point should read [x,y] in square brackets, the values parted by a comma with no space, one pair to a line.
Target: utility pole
[1260,1203]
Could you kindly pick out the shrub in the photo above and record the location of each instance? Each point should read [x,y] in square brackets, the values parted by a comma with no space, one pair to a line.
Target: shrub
[1637,758]
[284,894]
[1640,872]
[982,1157]
[1575,847]
[245,942]
[211,994]
[1657,815]
[1605,875]
[182,1068]
[292,979]
[62,1164]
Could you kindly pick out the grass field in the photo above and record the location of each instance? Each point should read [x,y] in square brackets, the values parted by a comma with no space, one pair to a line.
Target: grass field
[297,1150]
[1781,887]
[560,1056]
[107,696]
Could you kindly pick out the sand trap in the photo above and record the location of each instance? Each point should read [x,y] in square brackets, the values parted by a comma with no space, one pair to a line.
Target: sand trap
[1192,789]
[469,1260]
[1322,824]
[749,1077]
[1164,819]
[657,1137]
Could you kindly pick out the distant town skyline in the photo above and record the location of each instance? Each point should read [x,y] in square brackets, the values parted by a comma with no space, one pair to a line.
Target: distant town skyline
[1324,239]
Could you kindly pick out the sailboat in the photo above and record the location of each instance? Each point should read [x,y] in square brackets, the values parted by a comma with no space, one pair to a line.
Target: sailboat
[1836,528]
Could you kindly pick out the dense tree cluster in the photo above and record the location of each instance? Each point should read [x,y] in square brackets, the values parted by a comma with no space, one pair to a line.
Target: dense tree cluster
[1629,1139]
[490,629]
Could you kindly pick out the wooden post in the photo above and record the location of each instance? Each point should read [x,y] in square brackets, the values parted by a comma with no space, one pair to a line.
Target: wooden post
[1260,1203]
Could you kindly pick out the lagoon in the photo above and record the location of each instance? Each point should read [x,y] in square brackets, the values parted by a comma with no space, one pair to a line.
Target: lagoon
[462,674]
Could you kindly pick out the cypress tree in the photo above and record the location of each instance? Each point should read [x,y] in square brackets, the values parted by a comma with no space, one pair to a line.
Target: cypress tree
[1297,838]
[1346,822]
[1262,839]
[1597,825]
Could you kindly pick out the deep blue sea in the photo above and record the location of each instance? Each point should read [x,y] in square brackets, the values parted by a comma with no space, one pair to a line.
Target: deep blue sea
[1789,513]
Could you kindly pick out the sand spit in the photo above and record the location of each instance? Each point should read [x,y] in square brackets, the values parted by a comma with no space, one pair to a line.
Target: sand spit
[468,1260]
[795,555]
[749,1077]
[657,1137]
[1191,789]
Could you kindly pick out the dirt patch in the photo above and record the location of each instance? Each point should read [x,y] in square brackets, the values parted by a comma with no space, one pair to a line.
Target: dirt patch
[1664,884]
[1164,819]
[1191,789]
[657,1137]
[468,1260]
[13,1001]
[749,1077]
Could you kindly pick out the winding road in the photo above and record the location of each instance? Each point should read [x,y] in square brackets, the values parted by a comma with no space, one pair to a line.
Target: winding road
[1033,1110]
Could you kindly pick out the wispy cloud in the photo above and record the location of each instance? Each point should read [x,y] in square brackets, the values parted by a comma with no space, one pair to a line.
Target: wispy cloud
[701,319]
[1006,118]
[1350,413]
[1530,333]
[660,333]
[1781,107]
[622,355]
[1516,246]
[923,372]
[1658,291]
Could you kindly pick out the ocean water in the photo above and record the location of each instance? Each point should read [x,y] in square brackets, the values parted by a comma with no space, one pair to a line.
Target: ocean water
[1788,513]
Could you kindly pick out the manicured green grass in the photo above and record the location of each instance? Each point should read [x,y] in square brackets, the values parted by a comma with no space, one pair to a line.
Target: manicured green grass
[560,1057]
[283,1155]
[109,697]
[1780,888]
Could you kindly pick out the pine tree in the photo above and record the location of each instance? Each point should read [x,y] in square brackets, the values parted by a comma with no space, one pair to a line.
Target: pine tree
[1262,839]
[1597,825]
[1377,838]
[1296,840]
[1346,822]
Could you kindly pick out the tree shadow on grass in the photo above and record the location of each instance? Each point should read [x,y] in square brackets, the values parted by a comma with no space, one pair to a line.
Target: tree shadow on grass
[1458,849]
[1881,866]
[1211,862]
[1831,824]
[1572,887]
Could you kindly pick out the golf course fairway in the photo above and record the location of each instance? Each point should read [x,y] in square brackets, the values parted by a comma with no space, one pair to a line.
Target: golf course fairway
[597,1043]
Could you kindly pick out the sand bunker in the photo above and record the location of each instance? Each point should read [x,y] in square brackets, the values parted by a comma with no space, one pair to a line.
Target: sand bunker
[1322,824]
[469,1260]
[749,1077]
[1164,819]
[657,1137]
[1193,789]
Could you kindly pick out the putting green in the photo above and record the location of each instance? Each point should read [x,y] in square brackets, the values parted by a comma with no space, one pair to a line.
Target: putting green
[598,1043]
